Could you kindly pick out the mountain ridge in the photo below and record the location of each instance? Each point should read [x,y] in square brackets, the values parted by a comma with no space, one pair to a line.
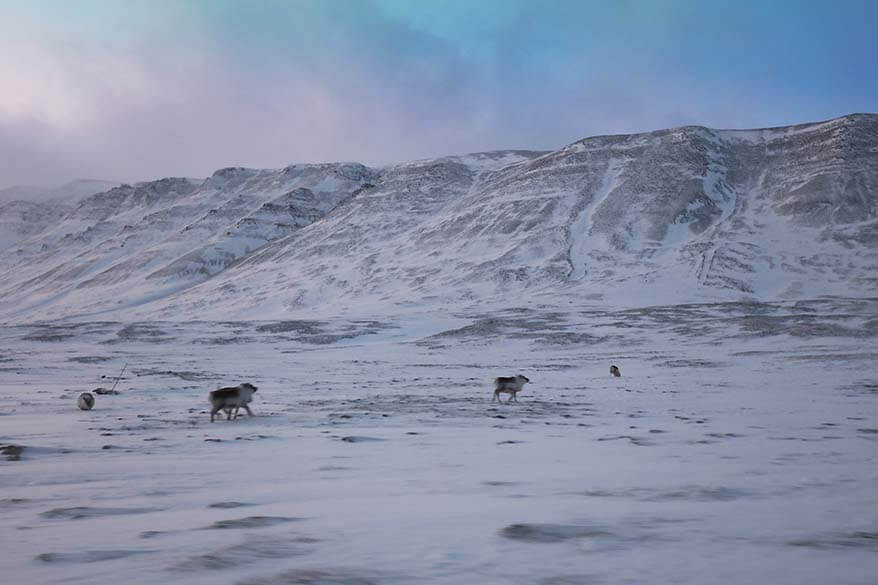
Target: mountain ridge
[680,214]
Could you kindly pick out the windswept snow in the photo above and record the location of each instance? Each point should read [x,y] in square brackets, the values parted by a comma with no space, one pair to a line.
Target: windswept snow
[582,241]
[739,443]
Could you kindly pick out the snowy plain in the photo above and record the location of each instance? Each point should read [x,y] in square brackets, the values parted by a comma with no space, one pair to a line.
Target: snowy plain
[739,446]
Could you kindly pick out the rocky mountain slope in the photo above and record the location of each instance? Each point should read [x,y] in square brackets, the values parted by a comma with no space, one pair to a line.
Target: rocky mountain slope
[22,219]
[676,215]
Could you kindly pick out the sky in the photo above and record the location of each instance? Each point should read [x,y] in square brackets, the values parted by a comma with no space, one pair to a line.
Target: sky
[131,90]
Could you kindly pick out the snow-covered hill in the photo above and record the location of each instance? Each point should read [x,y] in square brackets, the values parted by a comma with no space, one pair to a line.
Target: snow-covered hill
[69,193]
[672,216]
[27,210]
[23,219]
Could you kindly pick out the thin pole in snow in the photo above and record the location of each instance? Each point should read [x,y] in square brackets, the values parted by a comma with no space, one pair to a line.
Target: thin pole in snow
[119,377]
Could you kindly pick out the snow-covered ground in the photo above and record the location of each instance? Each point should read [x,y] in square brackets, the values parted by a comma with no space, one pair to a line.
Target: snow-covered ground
[738,447]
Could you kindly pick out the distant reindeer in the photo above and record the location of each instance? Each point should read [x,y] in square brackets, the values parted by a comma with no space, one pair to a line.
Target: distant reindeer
[511,385]
[86,401]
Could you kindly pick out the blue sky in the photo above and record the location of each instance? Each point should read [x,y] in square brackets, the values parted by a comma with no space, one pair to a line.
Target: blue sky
[133,90]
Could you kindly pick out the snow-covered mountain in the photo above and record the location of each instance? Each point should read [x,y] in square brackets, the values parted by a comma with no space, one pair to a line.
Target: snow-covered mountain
[675,215]
[22,219]
[69,193]
[27,210]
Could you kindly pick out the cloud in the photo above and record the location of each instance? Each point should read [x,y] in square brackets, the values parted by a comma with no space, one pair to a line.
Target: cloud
[140,90]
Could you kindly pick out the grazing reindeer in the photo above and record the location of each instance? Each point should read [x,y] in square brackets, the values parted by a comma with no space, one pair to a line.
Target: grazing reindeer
[510,385]
[85,401]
